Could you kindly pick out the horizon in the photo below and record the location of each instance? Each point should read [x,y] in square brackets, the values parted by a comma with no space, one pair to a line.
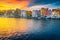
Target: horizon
[30,9]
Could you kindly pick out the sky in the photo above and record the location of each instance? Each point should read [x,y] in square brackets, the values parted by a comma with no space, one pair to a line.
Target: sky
[13,4]
[28,4]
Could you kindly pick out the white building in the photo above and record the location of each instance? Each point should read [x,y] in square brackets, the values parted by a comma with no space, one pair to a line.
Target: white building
[23,13]
[35,13]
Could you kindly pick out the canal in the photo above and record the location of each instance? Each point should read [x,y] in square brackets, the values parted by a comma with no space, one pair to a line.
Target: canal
[29,29]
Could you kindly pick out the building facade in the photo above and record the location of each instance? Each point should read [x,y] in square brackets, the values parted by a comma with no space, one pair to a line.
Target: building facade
[23,13]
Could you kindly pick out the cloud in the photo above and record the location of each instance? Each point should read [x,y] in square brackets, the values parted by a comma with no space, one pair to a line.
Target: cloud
[21,0]
[44,2]
[38,7]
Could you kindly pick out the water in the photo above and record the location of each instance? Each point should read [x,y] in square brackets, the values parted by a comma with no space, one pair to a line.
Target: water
[29,29]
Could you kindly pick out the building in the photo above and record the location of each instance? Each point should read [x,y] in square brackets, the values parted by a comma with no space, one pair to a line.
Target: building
[17,13]
[23,13]
[56,13]
[5,13]
[1,13]
[44,11]
[10,13]
[29,14]
[49,13]
[35,13]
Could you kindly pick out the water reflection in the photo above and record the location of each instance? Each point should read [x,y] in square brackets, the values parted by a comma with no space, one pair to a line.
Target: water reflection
[28,29]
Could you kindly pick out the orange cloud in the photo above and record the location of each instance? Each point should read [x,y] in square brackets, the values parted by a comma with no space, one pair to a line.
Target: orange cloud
[13,4]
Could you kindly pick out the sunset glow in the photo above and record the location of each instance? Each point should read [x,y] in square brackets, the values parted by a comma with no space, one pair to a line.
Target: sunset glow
[13,4]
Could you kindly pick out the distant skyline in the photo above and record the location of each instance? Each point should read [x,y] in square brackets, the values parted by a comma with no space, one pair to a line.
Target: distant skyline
[28,4]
